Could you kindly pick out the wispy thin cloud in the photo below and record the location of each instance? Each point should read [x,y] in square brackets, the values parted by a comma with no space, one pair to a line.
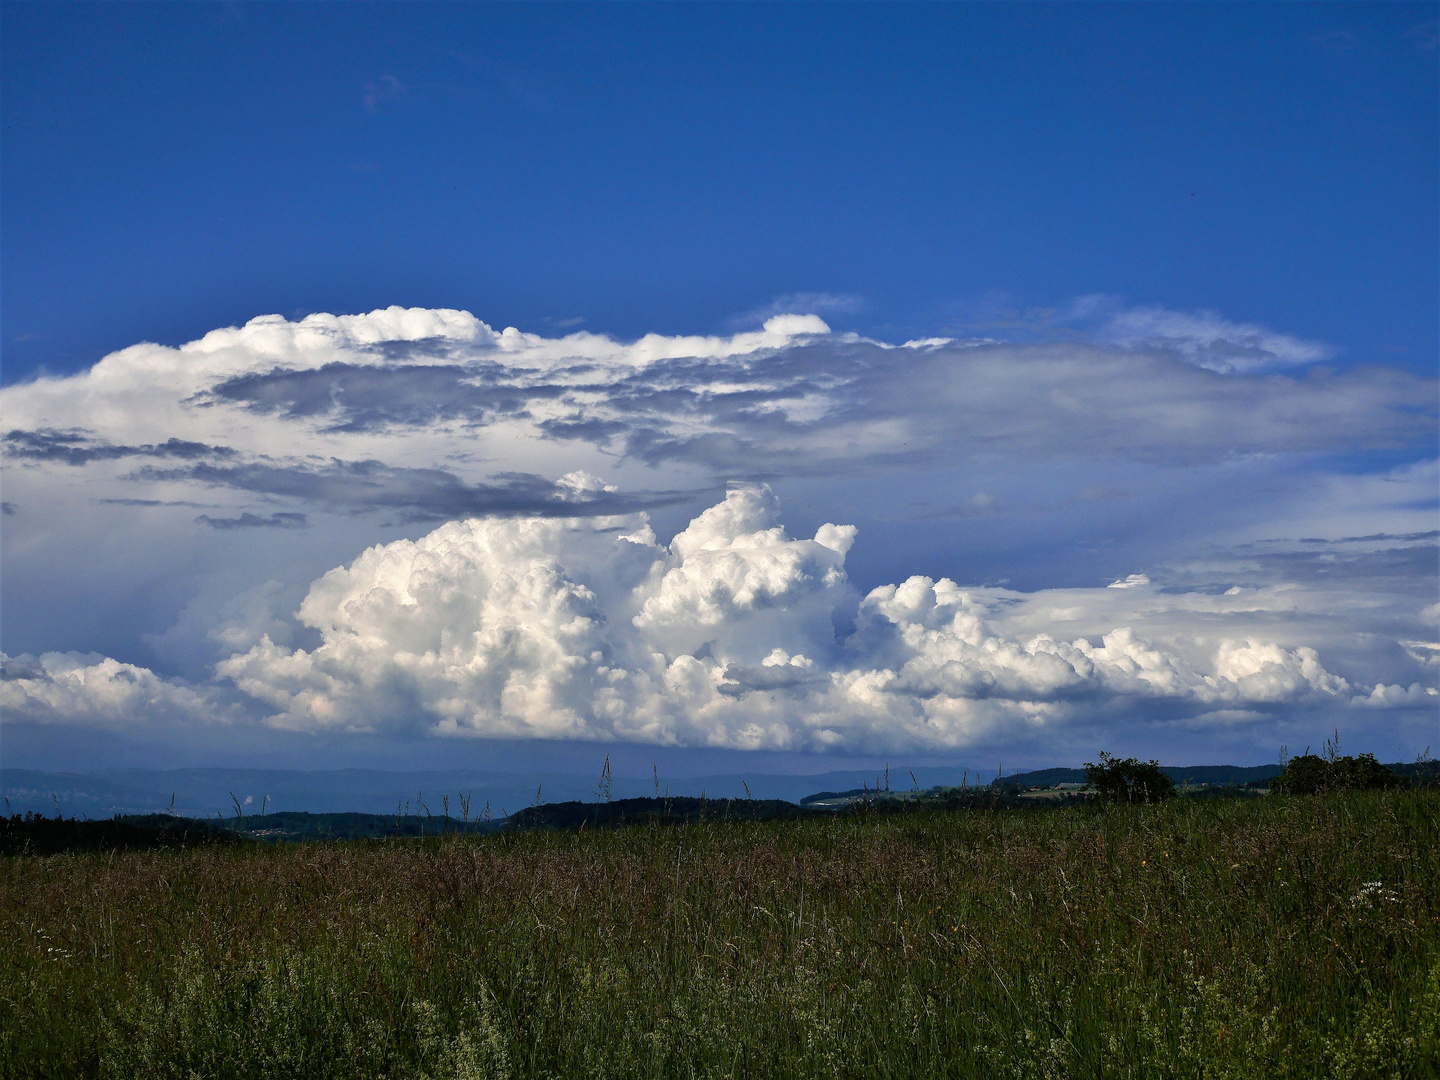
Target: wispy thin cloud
[381,91]
[1204,338]
[1425,36]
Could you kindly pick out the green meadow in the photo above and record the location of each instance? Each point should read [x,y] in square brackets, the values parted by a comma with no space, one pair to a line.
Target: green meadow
[1286,936]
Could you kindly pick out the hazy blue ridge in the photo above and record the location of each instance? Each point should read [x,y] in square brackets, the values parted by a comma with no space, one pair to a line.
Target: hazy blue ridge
[206,793]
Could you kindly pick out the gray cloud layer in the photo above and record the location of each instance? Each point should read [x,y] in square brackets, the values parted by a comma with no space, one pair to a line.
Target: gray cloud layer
[354,398]
[837,404]
[255,521]
[78,448]
[413,494]
[300,410]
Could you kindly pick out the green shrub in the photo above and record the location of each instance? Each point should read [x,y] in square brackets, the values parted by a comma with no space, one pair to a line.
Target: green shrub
[1310,774]
[1126,780]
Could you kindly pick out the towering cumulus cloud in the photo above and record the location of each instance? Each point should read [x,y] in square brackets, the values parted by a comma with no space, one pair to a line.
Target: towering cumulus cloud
[735,635]
[566,628]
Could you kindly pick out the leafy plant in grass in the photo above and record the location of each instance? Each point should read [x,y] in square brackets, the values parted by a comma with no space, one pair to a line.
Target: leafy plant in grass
[1127,780]
[1311,774]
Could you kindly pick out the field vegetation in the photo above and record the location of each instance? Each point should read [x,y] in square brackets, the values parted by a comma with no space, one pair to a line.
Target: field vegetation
[1287,936]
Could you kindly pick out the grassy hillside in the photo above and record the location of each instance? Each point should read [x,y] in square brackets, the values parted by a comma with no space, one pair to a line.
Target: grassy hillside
[1286,936]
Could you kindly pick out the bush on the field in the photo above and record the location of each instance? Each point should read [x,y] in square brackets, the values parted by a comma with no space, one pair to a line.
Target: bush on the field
[1311,774]
[1128,780]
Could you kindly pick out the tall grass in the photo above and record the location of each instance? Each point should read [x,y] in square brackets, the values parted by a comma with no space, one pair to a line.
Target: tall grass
[1278,937]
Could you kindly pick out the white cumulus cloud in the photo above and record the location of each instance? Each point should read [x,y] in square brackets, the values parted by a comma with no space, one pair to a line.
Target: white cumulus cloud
[97,691]
[736,634]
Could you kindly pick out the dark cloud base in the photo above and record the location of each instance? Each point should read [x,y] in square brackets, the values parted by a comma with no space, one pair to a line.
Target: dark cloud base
[416,495]
[987,398]
[254,521]
[354,398]
[77,448]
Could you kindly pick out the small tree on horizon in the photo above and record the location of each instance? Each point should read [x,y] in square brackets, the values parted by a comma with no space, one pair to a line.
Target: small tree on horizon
[1312,774]
[1128,780]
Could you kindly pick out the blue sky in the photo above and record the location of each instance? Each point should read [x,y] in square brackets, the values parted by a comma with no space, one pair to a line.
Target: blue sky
[1041,298]
[174,168]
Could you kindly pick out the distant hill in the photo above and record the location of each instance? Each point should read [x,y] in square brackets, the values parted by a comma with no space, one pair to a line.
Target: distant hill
[102,793]
[207,793]
[671,811]
[301,827]
[37,834]
[1193,775]
[40,834]
[33,834]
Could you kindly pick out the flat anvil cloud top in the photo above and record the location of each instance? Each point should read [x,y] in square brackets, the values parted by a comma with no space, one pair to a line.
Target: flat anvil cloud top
[521,590]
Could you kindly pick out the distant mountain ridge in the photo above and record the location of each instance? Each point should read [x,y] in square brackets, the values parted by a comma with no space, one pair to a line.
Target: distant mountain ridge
[208,792]
[1194,775]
